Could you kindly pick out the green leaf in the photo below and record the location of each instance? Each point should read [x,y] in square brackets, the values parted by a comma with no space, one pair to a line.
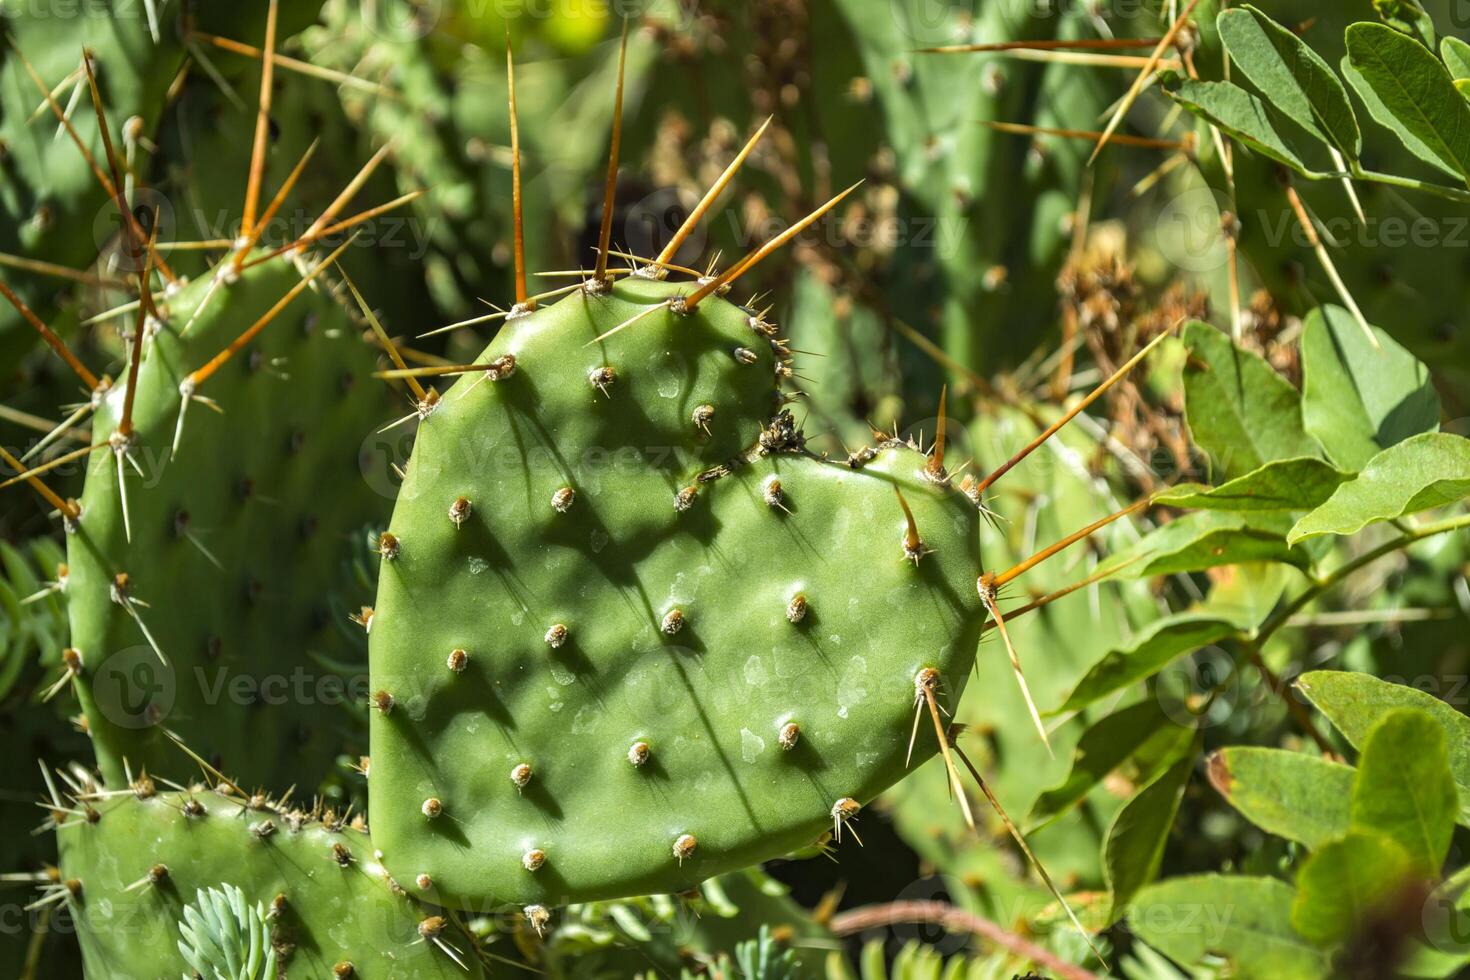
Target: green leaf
[1456,55]
[1292,77]
[1134,847]
[1357,400]
[1211,538]
[1240,410]
[1405,789]
[1416,91]
[1345,882]
[1426,471]
[1141,731]
[1245,119]
[1407,17]
[1355,703]
[1384,118]
[1300,797]
[1247,921]
[224,936]
[1282,484]
[1145,655]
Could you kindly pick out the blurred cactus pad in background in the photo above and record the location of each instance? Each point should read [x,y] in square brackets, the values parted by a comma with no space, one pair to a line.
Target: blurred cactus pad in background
[829,489]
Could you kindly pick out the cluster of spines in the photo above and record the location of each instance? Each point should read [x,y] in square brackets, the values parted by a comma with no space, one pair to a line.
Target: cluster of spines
[780,436]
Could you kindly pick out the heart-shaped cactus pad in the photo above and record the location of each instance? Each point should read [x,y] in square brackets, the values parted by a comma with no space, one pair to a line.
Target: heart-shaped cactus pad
[629,633]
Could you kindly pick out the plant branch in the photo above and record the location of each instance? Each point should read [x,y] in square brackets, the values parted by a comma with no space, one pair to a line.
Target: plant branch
[1252,645]
[955,920]
[1322,585]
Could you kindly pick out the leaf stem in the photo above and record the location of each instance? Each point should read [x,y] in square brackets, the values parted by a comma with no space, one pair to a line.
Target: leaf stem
[1251,645]
[1412,183]
[1321,585]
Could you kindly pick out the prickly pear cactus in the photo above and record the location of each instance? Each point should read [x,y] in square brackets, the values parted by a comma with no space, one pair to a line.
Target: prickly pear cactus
[48,197]
[629,634]
[196,590]
[143,874]
[51,207]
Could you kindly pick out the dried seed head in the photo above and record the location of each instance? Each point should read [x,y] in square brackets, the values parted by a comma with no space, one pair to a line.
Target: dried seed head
[796,608]
[684,846]
[431,928]
[538,916]
[790,735]
[383,701]
[533,859]
[432,807]
[388,545]
[684,499]
[562,500]
[459,511]
[341,855]
[773,494]
[344,971]
[521,775]
[602,378]
[424,881]
[673,622]
[744,355]
[556,636]
[703,416]
[638,753]
[458,660]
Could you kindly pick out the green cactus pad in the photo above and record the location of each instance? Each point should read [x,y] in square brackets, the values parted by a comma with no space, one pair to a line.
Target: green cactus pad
[694,683]
[134,868]
[232,539]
